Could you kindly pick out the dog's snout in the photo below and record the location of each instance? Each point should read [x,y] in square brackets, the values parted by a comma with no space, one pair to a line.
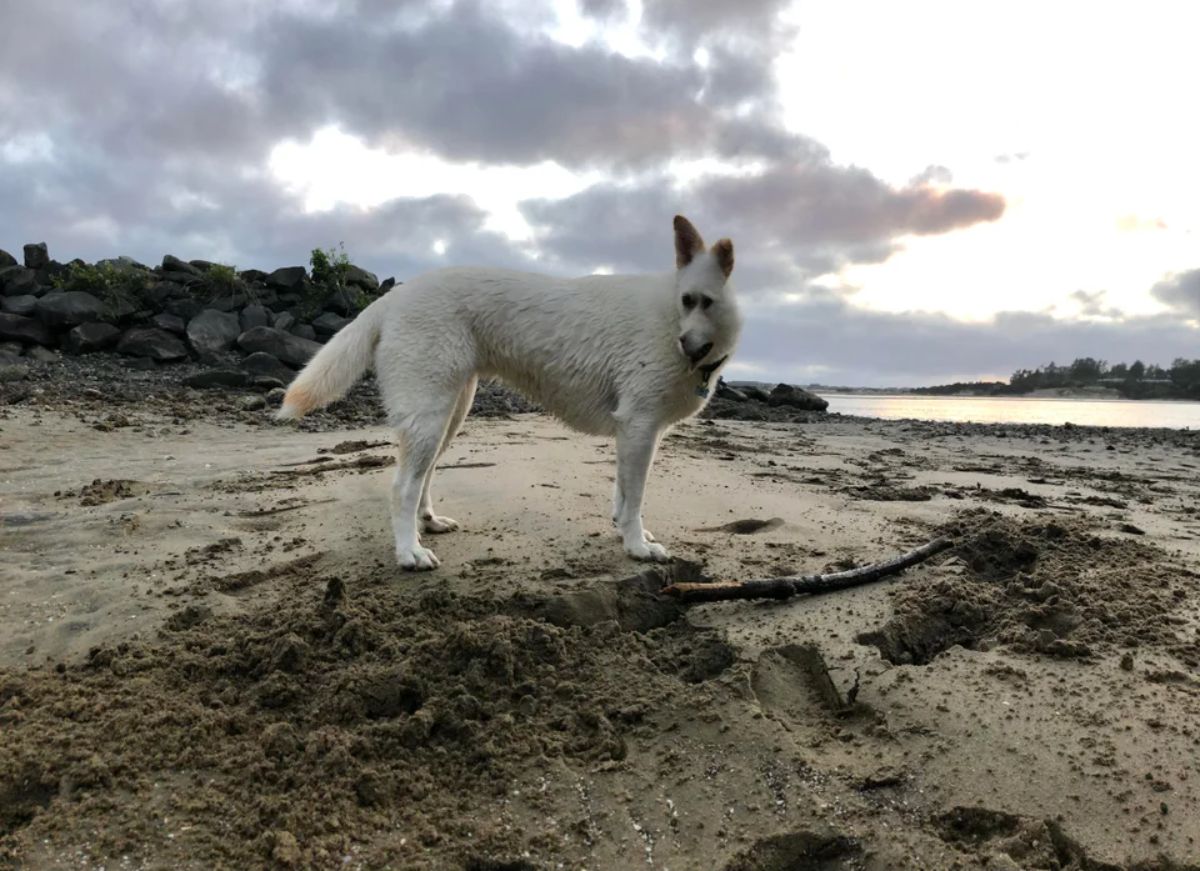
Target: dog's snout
[692,352]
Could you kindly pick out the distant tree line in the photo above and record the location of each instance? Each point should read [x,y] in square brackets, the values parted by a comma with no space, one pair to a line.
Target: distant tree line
[1135,380]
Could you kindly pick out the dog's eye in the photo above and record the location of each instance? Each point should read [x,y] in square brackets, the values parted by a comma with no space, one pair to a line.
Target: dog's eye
[688,300]
[705,302]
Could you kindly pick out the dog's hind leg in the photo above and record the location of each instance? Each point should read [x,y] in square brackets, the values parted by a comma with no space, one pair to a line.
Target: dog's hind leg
[431,522]
[636,443]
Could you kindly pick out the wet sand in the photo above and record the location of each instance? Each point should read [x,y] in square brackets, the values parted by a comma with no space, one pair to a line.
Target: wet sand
[208,659]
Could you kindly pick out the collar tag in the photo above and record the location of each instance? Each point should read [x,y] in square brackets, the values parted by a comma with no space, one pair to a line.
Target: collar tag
[702,391]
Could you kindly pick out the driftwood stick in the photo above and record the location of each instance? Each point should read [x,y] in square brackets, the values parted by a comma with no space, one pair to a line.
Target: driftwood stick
[786,587]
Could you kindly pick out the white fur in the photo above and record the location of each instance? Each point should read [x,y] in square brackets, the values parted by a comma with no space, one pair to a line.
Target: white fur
[605,354]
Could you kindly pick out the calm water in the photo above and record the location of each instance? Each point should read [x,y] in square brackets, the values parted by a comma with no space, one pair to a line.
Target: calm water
[1020,409]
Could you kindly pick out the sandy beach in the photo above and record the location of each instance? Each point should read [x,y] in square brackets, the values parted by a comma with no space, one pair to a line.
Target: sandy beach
[208,658]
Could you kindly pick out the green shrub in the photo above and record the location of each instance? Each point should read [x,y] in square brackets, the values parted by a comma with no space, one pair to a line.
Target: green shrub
[121,289]
[329,269]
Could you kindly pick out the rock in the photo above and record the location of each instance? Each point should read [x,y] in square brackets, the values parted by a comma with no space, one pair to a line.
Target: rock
[169,322]
[14,348]
[18,281]
[252,403]
[361,278]
[25,304]
[216,378]
[255,315]
[756,393]
[45,275]
[36,255]
[70,308]
[213,332]
[266,382]
[291,349]
[10,371]
[388,284]
[228,302]
[160,294]
[141,364]
[22,329]
[186,308]
[304,331]
[202,265]
[152,344]
[253,276]
[287,278]
[86,338]
[326,324]
[170,263]
[275,396]
[796,397]
[724,391]
[267,366]
[6,259]
[284,321]
[42,355]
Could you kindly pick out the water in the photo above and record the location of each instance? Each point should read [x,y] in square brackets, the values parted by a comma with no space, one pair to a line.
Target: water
[1020,409]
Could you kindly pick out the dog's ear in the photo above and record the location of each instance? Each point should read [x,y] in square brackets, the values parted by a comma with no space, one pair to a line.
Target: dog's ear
[723,252]
[687,242]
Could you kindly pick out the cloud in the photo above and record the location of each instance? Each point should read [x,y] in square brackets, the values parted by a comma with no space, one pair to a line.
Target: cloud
[1181,292]
[793,221]
[830,341]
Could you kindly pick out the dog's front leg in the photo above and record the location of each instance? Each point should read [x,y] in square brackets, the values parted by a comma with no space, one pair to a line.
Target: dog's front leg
[636,443]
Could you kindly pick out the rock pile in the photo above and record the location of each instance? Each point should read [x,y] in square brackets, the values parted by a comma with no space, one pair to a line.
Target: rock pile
[253,328]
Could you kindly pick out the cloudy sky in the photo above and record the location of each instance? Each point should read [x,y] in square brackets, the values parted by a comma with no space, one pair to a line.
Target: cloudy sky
[918,192]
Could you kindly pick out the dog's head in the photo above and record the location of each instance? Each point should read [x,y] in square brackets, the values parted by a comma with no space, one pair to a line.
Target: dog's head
[709,321]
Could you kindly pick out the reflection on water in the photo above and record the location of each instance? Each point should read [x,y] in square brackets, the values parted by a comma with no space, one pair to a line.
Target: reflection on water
[1020,409]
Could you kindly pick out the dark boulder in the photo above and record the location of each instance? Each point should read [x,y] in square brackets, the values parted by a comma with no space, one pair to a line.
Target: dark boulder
[70,308]
[287,278]
[25,304]
[284,321]
[86,338]
[186,308]
[358,277]
[169,322]
[171,263]
[165,291]
[152,344]
[213,332]
[19,328]
[253,276]
[36,255]
[796,397]
[326,324]
[388,284]
[255,315]
[262,365]
[287,347]
[304,331]
[18,281]
[6,259]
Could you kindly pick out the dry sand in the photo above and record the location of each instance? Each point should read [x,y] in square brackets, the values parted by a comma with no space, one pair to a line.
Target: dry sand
[207,658]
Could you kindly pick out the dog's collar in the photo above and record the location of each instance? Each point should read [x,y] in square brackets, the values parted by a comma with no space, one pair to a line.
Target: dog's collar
[706,374]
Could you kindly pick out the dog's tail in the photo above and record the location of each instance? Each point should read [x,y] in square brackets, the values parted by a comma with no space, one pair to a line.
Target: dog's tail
[334,369]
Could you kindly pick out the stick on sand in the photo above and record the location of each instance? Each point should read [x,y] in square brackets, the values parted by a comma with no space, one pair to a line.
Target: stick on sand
[785,588]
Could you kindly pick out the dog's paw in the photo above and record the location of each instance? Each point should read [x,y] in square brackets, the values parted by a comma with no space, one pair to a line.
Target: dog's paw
[418,559]
[438,525]
[648,551]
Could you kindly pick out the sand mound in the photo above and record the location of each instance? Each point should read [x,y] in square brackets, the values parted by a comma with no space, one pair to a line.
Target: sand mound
[341,711]
[1040,586]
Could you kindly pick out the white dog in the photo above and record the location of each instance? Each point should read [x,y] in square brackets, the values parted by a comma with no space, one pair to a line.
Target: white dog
[615,355]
